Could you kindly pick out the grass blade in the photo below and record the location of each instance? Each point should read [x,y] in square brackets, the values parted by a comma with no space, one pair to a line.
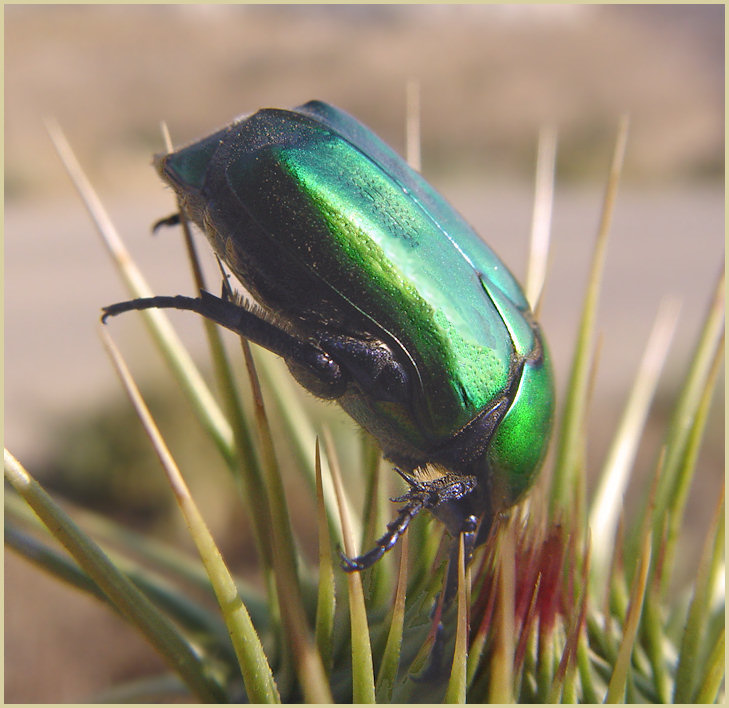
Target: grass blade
[189,614]
[713,674]
[609,497]
[51,560]
[128,600]
[185,371]
[257,674]
[391,655]
[152,689]
[412,124]
[695,631]
[138,552]
[653,635]
[541,217]
[685,409]
[687,467]
[621,670]
[325,606]
[363,680]
[564,683]
[570,448]
[300,642]
[502,659]
[249,470]
[378,580]
[299,428]
[456,691]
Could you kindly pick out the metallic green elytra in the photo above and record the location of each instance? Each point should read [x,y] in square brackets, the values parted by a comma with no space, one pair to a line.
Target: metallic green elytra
[379,295]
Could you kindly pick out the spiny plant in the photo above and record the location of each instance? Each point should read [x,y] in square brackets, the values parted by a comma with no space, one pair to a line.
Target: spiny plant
[566,601]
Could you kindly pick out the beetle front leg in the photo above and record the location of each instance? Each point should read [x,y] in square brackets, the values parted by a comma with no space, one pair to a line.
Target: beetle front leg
[423,494]
[395,529]
[331,379]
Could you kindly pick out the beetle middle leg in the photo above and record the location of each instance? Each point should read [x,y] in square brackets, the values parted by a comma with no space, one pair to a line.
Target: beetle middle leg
[253,326]
[423,494]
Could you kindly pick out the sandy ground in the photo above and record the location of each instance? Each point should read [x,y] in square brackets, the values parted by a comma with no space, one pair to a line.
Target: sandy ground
[490,77]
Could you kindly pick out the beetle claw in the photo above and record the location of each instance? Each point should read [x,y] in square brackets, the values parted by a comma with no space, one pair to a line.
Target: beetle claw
[367,560]
[348,564]
[171,220]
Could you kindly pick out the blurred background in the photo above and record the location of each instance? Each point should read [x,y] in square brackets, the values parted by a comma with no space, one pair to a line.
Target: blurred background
[490,76]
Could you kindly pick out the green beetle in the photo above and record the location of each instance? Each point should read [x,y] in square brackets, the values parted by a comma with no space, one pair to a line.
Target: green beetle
[379,295]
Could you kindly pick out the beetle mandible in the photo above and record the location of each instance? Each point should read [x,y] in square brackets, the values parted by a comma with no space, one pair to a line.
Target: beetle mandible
[378,295]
